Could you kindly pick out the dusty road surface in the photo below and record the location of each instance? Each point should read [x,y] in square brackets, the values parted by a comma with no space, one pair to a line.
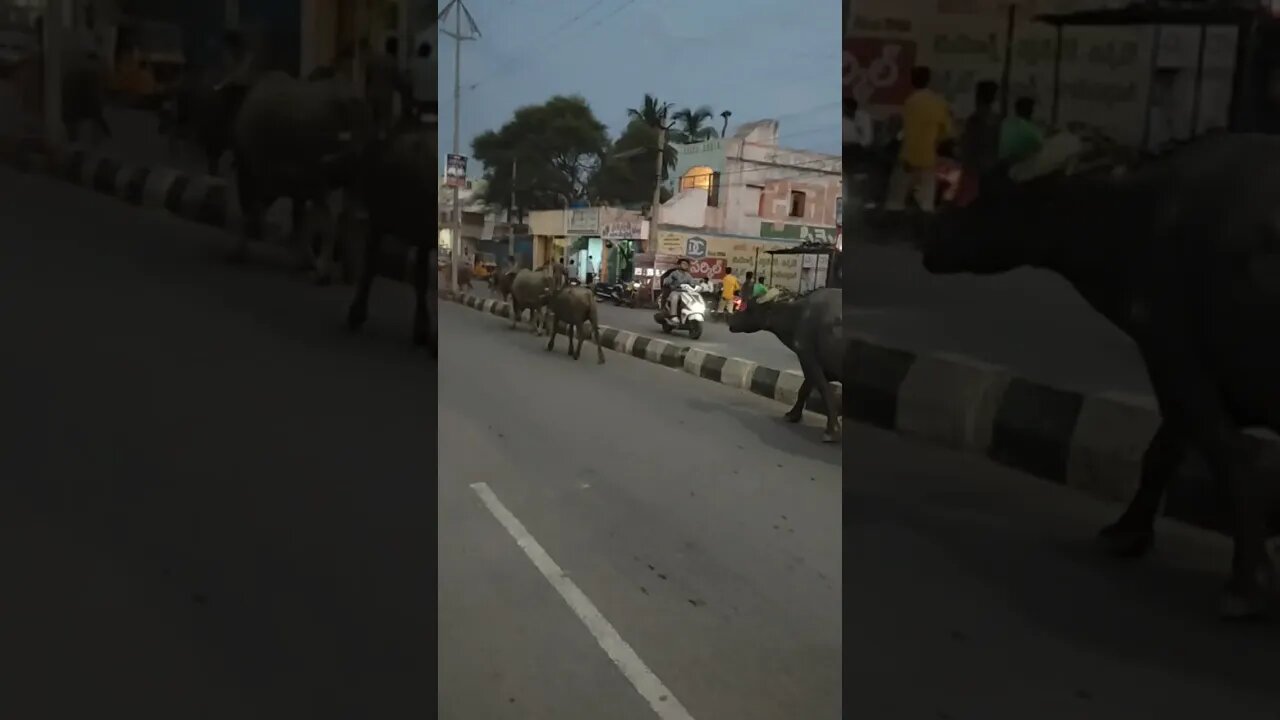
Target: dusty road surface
[703,531]
[214,502]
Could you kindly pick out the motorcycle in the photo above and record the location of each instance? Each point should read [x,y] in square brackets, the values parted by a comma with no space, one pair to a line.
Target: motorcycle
[621,294]
[693,311]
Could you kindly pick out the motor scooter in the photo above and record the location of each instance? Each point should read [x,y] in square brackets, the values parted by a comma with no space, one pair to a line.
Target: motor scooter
[692,311]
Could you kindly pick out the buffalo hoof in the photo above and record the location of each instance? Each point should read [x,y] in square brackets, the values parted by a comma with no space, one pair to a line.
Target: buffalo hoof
[600,361]
[794,417]
[831,436]
[238,257]
[325,280]
[1243,606]
[356,317]
[1124,542]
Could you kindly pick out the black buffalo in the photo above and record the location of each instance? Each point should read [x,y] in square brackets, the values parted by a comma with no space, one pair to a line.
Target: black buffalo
[813,327]
[1183,255]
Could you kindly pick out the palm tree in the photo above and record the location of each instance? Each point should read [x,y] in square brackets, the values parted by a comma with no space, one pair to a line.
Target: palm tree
[726,114]
[652,113]
[692,129]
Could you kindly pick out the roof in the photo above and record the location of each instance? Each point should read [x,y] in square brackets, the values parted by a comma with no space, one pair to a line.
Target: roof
[1144,15]
[806,248]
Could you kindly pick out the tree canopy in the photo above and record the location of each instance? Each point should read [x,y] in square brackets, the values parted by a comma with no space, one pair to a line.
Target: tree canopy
[557,148]
[563,153]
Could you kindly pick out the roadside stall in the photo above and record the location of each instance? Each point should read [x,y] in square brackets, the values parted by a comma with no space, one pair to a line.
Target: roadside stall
[819,263]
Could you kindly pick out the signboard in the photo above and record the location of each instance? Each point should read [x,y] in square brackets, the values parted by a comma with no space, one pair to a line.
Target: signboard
[877,71]
[455,174]
[695,247]
[802,233]
[584,221]
[621,225]
[741,254]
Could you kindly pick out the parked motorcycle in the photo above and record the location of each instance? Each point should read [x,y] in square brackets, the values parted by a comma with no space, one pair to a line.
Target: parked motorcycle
[620,294]
[691,315]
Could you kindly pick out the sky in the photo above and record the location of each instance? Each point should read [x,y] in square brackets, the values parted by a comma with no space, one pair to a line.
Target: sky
[757,58]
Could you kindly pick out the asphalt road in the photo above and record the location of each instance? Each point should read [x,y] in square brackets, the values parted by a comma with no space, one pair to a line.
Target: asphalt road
[214,502]
[1028,320]
[970,591]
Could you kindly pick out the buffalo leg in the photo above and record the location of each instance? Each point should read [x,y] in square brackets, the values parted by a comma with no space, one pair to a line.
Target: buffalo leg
[571,330]
[796,413]
[328,242]
[516,310]
[359,310]
[595,338]
[551,342]
[422,320]
[1131,535]
[251,210]
[300,236]
[1188,394]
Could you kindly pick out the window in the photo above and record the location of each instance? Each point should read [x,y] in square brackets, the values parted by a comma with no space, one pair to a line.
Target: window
[713,192]
[754,202]
[797,203]
[700,178]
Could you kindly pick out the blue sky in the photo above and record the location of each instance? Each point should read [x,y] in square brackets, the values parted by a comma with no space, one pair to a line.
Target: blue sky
[757,58]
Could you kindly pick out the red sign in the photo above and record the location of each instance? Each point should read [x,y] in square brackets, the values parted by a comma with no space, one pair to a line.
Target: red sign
[712,268]
[877,71]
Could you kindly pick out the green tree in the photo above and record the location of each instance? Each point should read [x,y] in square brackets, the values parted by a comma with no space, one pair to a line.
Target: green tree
[692,124]
[557,147]
[627,174]
[652,112]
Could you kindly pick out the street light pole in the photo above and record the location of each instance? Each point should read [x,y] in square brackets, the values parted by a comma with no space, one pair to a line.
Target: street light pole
[458,9]
[511,229]
[656,208]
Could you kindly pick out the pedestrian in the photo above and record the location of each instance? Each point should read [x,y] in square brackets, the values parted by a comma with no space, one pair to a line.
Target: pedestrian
[572,272]
[926,124]
[858,130]
[980,140]
[759,288]
[589,268]
[729,287]
[1020,137]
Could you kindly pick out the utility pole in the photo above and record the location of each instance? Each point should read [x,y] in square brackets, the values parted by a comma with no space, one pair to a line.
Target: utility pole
[473,33]
[511,229]
[656,208]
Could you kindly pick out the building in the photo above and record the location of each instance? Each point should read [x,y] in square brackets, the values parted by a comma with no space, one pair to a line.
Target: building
[749,185]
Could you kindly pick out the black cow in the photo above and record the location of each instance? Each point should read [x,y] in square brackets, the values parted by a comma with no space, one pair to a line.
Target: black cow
[813,327]
[1183,255]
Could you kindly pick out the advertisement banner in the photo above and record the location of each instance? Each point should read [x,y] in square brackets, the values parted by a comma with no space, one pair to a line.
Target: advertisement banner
[455,174]
[617,224]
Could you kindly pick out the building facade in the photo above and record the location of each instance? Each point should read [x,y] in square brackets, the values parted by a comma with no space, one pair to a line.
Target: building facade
[749,185]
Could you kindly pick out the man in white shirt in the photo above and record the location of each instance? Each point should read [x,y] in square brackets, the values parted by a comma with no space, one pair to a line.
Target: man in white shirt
[589,269]
[857,129]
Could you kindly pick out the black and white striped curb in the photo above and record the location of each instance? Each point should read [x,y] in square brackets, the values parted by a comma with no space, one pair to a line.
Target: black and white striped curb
[198,198]
[1093,443]
[780,385]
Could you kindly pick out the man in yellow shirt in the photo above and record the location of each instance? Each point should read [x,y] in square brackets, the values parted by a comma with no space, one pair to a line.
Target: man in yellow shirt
[926,123]
[729,287]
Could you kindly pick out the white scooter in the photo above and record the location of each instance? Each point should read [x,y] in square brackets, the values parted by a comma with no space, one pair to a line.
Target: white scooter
[692,313]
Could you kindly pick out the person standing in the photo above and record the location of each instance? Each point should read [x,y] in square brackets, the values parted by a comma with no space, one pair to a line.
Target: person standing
[589,267]
[926,123]
[729,287]
[1020,137]
[980,141]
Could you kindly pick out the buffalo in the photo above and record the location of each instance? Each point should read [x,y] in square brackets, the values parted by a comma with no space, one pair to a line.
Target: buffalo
[812,326]
[1182,253]
[531,289]
[574,306]
[302,140]
[395,174]
[204,113]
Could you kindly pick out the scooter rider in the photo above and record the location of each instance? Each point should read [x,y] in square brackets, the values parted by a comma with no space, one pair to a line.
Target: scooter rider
[673,279]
